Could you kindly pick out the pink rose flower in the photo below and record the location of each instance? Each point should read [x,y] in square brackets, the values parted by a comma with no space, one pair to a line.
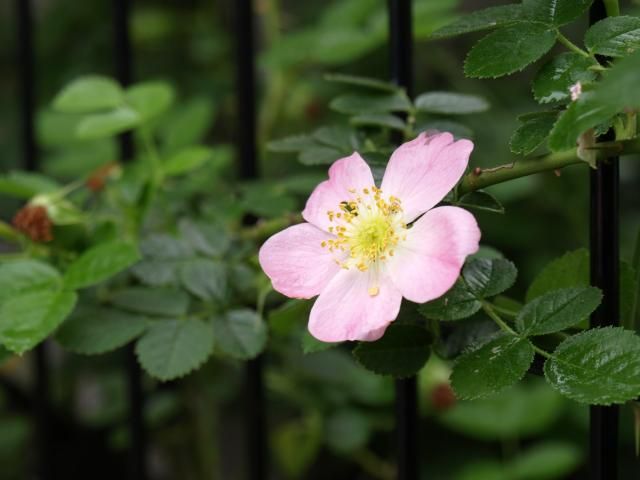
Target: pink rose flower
[364,247]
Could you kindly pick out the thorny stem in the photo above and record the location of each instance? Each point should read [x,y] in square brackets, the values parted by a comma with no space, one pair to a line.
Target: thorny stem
[480,178]
[570,45]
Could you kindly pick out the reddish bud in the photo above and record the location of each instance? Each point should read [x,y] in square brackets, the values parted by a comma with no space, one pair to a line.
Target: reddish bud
[443,397]
[477,171]
[33,221]
[99,177]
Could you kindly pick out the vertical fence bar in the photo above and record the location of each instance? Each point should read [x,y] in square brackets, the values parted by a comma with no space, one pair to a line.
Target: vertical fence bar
[137,433]
[604,226]
[255,415]
[45,468]
[401,65]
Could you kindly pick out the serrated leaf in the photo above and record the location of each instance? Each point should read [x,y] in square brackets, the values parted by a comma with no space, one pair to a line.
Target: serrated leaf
[401,352]
[481,20]
[204,278]
[89,94]
[508,50]
[21,276]
[107,124]
[361,103]
[95,330]
[456,304]
[557,310]
[157,272]
[205,238]
[492,367]
[600,105]
[240,334]
[164,302]
[532,133]
[570,270]
[358,81]
[554,12]
[385,120]
[186,160]
[173,348]
[99,263]
[27,319]
[451,103]
[337,136]
[167,247]
[614,36]
[150,99]
[481,200]
[553,80]
[599,366]
[487,277]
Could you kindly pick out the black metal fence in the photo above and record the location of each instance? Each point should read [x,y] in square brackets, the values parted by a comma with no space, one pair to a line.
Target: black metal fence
[604,248]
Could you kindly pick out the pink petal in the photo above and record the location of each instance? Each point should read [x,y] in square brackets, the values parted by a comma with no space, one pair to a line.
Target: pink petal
[345,174]
[296,263]
[345,310]
[428,263]
[421,172]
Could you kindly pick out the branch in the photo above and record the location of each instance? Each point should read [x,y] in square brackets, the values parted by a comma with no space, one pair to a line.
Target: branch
[479,178]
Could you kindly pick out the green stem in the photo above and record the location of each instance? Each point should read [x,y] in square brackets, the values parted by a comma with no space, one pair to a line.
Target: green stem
[481,178]
[488,309]
[542,352]
[612,7]
[570,45]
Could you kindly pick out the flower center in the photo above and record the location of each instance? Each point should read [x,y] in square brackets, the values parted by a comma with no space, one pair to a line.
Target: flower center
[367,229]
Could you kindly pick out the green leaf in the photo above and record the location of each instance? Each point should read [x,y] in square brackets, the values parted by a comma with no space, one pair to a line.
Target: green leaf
[481,200]
[553,80]
[385,120]
[165,246]
[150,99]
[599,366]
[95,330]
[509,50]
[614,36]
[450,103]
[172,348]
[456,304]
[492,367]
[320,156]
[532,133]
[23,276]
[458,129]
[99,263]
[293,143]
[27,319]
[481,20]
[107,124]
[527,409]
[165,302]
[188,123]
[157,272]
[205,238]
[598,106]
[186,160]
[401,352]
[26,184]
[240,334]
[554,12]
[570,270]
[365,82]
[204,278]
[552,459]
[337,136]
[360,104]
[310,344]
[557,310]
[89,94]
[487,277]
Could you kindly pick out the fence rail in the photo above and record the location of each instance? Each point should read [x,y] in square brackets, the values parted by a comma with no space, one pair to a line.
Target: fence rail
[604,252]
